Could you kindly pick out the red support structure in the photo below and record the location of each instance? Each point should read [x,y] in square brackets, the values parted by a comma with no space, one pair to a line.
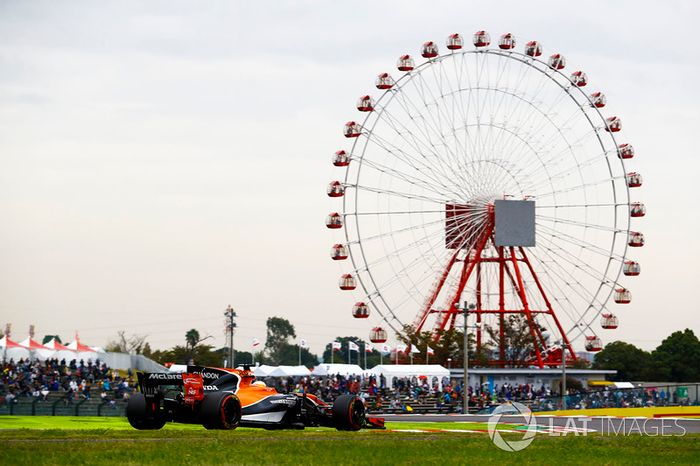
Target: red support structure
[475,251]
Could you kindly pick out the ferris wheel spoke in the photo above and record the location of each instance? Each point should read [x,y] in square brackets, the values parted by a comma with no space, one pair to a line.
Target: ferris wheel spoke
[426,239]
[424,163]
[582,186]
[400,230]
[580,289]
[458,121]
[573,206]
[554,234]
[423,183]
[564,171]
[398,194]
[575,262]
[434,241]
[428,128]
[562,283]
[576,223]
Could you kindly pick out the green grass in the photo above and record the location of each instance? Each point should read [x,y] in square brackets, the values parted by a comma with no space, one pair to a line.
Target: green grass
[64,440]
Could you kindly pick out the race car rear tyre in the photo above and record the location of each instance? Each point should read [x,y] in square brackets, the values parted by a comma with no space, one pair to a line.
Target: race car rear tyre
[348,413]
[143,415]
[220,410]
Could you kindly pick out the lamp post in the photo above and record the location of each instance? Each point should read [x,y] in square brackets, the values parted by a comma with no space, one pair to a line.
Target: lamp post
[230,315]
[562,343]
[465,385]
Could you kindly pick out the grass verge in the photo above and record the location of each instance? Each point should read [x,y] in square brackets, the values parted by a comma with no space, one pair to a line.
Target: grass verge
[37,440]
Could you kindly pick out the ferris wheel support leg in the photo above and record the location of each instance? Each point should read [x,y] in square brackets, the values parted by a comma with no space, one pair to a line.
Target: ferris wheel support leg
[423,315]
[539,340]
[466,272]
[550,311]
[501,305]
[526,307]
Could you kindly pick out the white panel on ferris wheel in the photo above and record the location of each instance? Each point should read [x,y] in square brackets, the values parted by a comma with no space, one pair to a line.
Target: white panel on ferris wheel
[515,223]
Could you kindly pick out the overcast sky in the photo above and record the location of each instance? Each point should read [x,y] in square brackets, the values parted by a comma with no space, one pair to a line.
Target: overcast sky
[161,160]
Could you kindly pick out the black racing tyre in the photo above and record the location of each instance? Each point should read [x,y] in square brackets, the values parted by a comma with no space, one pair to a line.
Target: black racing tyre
[348,413]
[220,410]
[140,416]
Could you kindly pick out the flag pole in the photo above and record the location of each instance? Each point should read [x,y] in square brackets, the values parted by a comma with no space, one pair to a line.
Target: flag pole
[365,348]
[349,354]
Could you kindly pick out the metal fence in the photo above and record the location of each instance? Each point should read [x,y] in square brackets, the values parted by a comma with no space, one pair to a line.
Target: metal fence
[59,405]
[639,397]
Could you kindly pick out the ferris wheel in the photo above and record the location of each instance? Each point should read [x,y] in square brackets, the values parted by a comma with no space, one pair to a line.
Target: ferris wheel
[487,175]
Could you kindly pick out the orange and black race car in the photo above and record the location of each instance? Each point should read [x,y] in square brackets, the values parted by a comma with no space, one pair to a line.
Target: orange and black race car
[227,398]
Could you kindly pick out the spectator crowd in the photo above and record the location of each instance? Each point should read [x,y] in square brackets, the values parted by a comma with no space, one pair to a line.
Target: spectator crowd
[73,381]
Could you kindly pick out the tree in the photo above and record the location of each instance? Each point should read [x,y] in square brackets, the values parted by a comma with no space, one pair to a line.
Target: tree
[279,330]
[48,338]
[676,358]
[192,340]
[631,363]
[203,355]
[518,342]
[133,344]
[147,351]
[446,345]
[288,355]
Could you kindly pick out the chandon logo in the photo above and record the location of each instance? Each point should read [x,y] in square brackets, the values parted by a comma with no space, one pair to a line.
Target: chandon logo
[208,375]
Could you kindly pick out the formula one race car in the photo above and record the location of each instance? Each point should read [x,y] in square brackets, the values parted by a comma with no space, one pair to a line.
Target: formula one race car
[227,398]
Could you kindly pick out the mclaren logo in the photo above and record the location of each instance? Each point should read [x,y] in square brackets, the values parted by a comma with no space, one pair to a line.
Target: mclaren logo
[163,376]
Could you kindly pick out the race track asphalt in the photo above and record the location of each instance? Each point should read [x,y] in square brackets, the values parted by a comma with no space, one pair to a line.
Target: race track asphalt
[601,424]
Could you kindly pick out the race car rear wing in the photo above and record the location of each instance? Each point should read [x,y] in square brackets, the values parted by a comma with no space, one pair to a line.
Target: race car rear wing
[149,382]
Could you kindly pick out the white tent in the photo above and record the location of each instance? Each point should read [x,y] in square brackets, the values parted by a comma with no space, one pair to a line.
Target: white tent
[338,369]
[391,371]
[263,370]
[61,352]
[12,350]
[39,351]
[290,371]
[83,352]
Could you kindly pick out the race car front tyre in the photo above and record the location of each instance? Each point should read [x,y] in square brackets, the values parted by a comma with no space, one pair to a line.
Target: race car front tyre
[348,413]
[220,410]
[142,414]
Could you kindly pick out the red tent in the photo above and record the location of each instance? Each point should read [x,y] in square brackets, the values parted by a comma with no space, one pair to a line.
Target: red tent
[32,344]
[79,347]
[5,342]
[55,345]
[11,350]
